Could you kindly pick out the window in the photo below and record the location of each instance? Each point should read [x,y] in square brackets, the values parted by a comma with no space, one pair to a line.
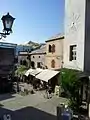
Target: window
[73,52]
[33,57]
[50,47]
[53,63]
[53,48]
[38,64]
[39,56]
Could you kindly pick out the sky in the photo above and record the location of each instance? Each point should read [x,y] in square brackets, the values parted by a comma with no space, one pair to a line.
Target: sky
[36,20]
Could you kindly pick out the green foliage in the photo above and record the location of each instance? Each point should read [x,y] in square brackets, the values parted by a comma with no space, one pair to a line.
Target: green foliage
[69,80]
[21,70]
[70,83]
[73,105]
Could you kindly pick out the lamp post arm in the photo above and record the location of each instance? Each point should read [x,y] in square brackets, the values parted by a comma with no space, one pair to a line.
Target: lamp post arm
[2,35]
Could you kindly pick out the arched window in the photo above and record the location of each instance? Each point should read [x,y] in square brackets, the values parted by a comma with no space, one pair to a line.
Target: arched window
[24,62]
[53,48]
[53,63]
[32,64]
[50,48]
[20,62]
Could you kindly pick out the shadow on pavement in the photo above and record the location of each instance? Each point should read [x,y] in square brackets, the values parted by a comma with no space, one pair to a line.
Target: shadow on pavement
[28,113]
[6,96]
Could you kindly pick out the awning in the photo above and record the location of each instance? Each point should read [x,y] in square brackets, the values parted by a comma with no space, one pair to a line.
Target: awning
[46,75]
[28,72]
[36,71]
[33,72]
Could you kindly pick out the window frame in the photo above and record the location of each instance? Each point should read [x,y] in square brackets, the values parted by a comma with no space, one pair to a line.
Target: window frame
[73,52]
[53,48]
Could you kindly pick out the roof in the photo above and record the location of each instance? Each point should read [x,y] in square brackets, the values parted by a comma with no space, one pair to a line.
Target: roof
[33,72]
[24,45]
[28,72]
[7,45]
[40,50]
[36,71]
[47,74]
[23,53]
[56,37]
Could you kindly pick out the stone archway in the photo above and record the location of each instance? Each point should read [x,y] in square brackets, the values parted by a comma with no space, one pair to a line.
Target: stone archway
[32,64]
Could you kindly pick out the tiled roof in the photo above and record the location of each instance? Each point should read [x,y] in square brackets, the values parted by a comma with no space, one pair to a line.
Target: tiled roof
[42,49]
[55,37]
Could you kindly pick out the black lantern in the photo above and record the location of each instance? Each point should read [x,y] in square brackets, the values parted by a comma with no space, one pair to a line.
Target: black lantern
[7,23]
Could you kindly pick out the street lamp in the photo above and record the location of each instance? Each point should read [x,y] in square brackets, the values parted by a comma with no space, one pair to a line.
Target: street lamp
[7,21]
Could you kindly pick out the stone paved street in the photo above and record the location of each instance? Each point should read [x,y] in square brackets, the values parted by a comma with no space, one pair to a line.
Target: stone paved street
[30,107]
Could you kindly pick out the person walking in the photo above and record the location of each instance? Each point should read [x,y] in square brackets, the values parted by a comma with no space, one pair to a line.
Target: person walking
[50,91]
[47,94]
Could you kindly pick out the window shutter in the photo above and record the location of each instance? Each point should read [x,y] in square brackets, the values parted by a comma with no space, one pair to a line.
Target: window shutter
[71,56]
[49,48]
[53,48]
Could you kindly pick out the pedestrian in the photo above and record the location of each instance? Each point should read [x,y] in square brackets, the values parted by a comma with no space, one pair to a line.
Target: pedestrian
[17,87]
[50,91]
[47,94]
[46,88]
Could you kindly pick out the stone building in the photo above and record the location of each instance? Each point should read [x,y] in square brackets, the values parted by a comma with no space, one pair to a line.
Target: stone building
[22,56]
[54,52]
[38,57]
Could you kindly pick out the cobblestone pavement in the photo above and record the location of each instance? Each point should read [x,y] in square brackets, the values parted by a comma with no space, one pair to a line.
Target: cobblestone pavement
[30,107]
